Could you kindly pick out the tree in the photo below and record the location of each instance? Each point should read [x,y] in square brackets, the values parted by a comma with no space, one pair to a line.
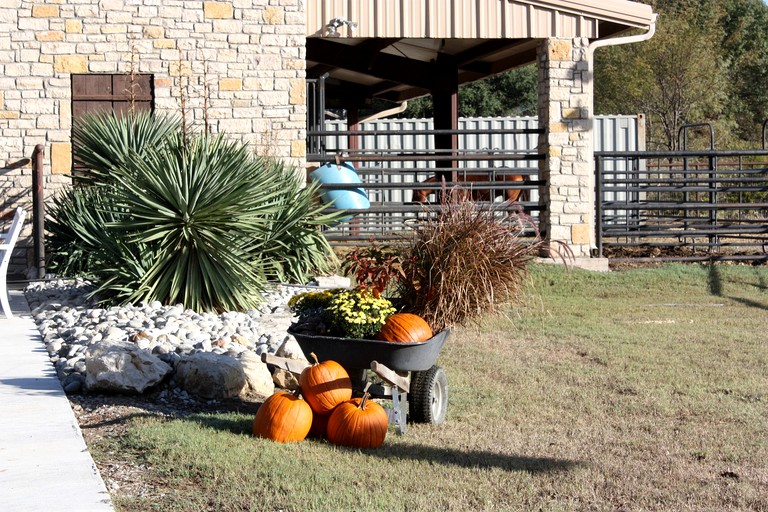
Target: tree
[745,46]
[512,93]
[675,78]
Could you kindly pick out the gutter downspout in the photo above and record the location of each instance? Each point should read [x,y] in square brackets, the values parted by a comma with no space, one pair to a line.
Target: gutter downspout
[623,40]
[594,45]
[385,113]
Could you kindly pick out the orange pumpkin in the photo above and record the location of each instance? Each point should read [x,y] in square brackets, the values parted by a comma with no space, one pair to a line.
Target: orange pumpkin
[405,327]
[283,417]
[358,423]
[319,428]
[325,385]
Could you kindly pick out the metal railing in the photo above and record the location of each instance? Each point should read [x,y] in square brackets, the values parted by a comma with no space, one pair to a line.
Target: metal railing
[682,206]
[393,178]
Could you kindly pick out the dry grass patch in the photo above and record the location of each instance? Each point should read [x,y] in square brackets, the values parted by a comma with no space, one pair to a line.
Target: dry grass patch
[595,397]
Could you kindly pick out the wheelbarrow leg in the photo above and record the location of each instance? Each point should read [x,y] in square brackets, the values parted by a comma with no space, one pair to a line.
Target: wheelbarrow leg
[399,410]
[399,385]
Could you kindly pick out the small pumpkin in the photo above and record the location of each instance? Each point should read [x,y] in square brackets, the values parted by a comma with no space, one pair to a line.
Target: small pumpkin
[325,385]
[406,328]
[283,417]
[358,423]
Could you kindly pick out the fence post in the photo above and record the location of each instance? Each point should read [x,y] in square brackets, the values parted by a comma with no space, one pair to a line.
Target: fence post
[38,208]
[599,205]
[714,239]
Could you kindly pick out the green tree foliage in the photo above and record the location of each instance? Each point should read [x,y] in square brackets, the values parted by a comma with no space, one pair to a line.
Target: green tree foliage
[675,78]
[745,45]
[708,62]
[508,94]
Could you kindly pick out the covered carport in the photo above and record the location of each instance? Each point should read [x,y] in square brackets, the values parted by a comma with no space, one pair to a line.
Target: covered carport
[402,49]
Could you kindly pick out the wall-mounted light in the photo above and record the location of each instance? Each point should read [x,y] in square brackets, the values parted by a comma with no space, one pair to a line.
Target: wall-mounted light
[332,28]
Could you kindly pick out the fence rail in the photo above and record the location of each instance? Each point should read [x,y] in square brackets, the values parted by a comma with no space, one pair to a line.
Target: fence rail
[393,179]
[490,148]
[682,206]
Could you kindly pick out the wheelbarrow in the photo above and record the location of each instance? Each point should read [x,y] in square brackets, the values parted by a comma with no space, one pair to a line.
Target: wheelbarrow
[417,387]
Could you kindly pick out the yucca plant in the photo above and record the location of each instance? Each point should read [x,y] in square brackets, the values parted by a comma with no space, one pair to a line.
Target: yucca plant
[81,244]
[103,140]
[295,247]
[192,219]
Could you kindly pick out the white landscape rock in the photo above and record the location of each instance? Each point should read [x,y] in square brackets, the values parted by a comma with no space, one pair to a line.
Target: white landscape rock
[211,376]
[120,366]
[257,374]
[153,339]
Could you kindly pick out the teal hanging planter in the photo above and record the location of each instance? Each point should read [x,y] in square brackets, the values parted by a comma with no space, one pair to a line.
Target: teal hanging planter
[346,199]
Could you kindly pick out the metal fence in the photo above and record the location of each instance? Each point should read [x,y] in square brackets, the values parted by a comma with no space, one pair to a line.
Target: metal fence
[396,157]
[392,178]
[683,206]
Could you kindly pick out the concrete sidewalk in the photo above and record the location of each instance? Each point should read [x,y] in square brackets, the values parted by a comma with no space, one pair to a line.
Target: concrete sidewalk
[44,462]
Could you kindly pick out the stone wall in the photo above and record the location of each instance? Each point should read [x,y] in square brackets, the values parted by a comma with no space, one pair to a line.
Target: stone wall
[565,89]
[247,57]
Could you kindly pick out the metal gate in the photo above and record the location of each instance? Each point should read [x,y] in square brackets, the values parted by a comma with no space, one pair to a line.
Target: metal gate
[682,206]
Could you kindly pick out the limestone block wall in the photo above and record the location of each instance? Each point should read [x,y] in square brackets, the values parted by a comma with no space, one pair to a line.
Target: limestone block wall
[565,89]
[240,65]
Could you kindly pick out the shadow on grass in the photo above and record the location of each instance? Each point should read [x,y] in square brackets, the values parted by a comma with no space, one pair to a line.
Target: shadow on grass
[226,421]
[715,284]
[415,452]
[472,458]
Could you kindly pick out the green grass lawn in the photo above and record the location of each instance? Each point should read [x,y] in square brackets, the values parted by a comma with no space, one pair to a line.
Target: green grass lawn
[643,389]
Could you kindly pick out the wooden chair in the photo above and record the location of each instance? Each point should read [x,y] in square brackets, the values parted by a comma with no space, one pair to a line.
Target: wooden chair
[7,242]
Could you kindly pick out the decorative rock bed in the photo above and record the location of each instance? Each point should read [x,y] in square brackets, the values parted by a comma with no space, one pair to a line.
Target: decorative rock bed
[133,349]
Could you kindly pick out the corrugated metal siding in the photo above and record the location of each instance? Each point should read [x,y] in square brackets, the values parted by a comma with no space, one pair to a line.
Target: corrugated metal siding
[612,133]
[486,19]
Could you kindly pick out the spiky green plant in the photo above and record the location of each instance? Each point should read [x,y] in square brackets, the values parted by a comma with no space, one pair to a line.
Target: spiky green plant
[295,246]
[81,244]
[197,220]
[103,140]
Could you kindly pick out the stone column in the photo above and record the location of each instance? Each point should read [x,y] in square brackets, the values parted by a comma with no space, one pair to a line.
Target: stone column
[565,89]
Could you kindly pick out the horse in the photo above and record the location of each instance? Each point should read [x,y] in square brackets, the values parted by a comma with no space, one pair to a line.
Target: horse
[484,194]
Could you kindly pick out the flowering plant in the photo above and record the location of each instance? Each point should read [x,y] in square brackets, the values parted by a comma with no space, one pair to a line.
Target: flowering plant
[341,312]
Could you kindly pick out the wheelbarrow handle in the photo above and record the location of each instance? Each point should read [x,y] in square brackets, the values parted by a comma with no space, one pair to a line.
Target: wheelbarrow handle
[403,383]
[294,366]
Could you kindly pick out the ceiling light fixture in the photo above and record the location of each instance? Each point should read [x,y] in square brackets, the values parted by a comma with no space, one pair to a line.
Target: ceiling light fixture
[333,26]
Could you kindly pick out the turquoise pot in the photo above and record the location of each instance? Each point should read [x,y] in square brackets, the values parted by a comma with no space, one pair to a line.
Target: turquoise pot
[346,199]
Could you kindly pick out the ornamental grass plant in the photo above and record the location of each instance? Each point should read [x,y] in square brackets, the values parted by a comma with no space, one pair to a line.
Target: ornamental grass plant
[466,261]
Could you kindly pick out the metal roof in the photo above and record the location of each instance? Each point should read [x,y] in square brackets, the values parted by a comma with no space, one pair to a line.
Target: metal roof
[398,49]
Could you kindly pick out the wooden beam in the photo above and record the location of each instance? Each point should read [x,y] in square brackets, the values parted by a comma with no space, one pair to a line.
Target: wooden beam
[319,70]
[483,50]
[361,59]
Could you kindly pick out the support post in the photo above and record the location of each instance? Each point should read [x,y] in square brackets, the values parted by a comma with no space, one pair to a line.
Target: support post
[445,106]
[38,207]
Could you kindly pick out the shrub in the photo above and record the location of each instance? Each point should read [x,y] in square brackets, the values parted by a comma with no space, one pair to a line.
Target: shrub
[375,267]
[103,141]
[192,219]
[341,312]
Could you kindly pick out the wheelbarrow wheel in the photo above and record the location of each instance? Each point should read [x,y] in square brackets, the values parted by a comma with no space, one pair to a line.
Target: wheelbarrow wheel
[428,397]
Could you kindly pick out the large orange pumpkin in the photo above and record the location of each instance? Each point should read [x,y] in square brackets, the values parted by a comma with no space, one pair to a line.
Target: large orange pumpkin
[325,385]
[358,423]
[283,417]
[405,327]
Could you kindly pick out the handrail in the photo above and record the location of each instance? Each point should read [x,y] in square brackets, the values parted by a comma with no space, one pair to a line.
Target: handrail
[508,131]
[38,209]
